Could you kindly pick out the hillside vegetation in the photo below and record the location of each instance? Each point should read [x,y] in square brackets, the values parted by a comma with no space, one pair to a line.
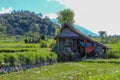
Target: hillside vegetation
[24,23]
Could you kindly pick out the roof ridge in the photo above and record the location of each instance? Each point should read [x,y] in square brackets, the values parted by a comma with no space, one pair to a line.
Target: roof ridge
[83,35]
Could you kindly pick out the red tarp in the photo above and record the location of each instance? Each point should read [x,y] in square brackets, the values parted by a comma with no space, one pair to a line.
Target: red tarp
[90,49]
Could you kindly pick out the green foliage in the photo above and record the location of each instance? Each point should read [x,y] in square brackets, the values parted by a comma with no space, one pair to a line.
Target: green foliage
[112,39]
[43,44]
[35,38]
[34,27]
[47,43]
[43,37]
[102,35]
[66,15]
[21,22]
[66,56]
[32,37]
[3,29]
[115,50]
[109,39]
[57,31]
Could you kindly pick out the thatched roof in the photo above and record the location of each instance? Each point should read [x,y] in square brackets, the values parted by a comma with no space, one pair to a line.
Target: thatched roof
[64,25]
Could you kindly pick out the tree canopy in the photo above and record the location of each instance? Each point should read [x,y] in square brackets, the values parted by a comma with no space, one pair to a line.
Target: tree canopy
[66,15]
[102,35]
[21,22]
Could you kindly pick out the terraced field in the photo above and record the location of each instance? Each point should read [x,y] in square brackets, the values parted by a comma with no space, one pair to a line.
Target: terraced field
[22,55]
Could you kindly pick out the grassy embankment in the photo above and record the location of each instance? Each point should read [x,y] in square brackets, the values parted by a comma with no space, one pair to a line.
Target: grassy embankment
[88,70]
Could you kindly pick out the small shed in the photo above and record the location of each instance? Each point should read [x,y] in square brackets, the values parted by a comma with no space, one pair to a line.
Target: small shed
[72,40]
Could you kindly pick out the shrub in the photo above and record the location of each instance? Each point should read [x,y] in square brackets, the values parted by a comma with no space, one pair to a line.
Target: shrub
[115,51]
[43,44]
[10,59]
[66,56]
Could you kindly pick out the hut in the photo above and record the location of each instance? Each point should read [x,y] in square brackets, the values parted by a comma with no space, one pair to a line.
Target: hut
[72,40]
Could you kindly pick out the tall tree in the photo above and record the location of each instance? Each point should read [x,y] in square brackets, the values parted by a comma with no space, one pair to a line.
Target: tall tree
[66,15]
[102,35]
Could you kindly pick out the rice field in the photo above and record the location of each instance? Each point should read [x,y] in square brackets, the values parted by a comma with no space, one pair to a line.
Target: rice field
[114,52]
[15,54]
[23,54]
[85,70]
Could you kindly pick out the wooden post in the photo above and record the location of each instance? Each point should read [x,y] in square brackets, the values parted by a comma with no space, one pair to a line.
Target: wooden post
[72,44]
[58,45]
[105,53]
[85,51]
